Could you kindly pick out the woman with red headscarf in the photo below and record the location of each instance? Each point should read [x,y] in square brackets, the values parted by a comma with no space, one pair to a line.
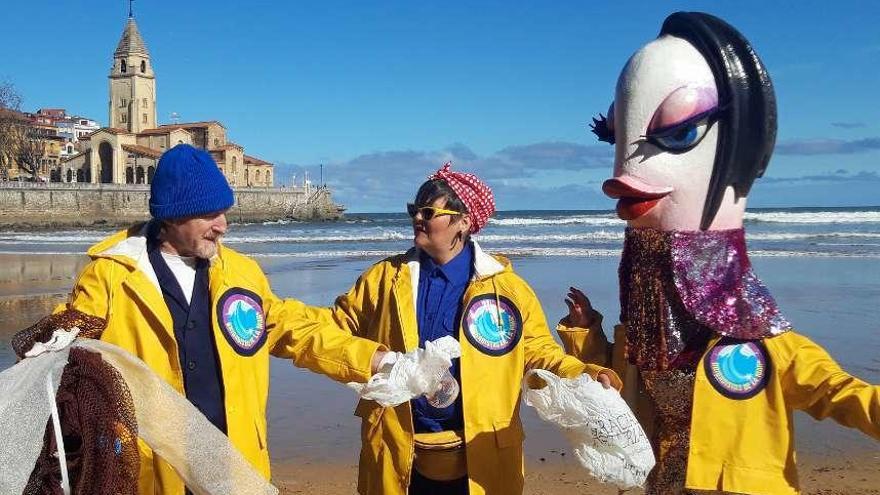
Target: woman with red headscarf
[466,439]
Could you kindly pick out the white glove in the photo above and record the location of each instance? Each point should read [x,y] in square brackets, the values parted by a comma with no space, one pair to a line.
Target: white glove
[403,377]
[60,339]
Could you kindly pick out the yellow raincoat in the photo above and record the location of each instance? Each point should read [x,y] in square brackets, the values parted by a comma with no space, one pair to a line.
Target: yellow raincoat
[120,286]
[381,306]
[747,445]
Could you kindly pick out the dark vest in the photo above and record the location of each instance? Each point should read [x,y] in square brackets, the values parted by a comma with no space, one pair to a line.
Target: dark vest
[202,379]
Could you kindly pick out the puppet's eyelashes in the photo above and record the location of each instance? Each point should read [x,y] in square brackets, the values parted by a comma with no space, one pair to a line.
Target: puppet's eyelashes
[603,127]
[684,136]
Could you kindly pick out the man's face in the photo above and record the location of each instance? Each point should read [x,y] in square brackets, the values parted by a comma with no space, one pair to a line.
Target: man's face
[196,236]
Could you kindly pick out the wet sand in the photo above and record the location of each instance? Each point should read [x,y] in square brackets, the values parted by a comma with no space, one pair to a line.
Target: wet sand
[314,438]
[318,454]
[850,475]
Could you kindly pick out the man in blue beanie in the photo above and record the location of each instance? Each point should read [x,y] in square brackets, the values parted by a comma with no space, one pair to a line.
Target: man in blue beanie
[203,316]
[189,196]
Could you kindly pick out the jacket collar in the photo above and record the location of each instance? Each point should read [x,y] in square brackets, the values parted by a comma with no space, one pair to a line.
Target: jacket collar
[129,247]
[485,265]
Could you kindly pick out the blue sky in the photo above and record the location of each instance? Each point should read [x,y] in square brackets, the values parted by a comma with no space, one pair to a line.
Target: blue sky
[382,93]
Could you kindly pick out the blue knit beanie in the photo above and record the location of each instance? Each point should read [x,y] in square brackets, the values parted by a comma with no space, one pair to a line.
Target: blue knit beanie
[188,183]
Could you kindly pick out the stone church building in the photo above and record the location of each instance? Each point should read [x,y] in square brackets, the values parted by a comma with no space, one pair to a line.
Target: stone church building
[128,149]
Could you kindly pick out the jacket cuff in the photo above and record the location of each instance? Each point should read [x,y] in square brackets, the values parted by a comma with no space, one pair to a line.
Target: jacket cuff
[587,344]
[360,359]
[563,326]
[594,371]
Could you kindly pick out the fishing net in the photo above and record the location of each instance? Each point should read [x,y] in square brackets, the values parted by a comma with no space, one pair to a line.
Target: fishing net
[99,431]
[106,398]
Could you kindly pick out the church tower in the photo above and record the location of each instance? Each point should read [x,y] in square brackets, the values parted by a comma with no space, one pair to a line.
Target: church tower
[132,83]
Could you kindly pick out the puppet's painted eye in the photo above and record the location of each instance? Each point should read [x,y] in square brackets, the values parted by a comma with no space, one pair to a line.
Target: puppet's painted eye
[684,136]
[681,121]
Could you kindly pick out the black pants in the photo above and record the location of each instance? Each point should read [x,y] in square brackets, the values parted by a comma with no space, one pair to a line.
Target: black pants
[419,485]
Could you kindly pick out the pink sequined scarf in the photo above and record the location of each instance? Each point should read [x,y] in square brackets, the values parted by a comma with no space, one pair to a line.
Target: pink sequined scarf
[678,289]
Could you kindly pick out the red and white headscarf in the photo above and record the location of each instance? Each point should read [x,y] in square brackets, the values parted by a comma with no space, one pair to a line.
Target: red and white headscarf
[473,192]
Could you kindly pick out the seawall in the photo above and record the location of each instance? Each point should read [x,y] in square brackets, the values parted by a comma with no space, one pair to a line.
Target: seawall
[71,204]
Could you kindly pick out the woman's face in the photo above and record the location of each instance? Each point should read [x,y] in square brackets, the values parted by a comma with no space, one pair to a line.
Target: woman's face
[442,236]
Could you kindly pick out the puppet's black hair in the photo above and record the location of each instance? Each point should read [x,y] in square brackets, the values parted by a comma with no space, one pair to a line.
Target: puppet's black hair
[747,130]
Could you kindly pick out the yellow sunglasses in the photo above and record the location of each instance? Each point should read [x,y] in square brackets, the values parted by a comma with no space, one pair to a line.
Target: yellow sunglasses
[428,212]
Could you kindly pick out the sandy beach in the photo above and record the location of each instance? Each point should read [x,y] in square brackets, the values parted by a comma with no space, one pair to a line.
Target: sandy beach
[832,475]
[314,437]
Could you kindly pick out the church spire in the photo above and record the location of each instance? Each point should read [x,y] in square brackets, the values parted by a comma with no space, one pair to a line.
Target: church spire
[131,42]
[132,82]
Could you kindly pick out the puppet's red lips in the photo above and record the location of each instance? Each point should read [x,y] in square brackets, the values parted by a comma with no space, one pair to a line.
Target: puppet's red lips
[632,208]
[635,196]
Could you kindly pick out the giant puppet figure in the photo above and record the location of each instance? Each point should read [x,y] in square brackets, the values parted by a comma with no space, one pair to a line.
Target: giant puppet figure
[713,366]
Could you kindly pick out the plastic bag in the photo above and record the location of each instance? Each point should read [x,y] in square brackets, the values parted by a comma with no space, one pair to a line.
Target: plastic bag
[210,465]
[418,372]
[603,432]
[25,406]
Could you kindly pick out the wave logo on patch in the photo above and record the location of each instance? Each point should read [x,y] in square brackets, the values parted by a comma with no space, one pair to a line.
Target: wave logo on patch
[494,326]
[241,317]
[738,370]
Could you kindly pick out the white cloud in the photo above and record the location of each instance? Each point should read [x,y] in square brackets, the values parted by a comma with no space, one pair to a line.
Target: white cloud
[386,180]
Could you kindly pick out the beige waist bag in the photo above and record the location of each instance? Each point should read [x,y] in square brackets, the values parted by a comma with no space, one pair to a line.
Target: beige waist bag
[440,456]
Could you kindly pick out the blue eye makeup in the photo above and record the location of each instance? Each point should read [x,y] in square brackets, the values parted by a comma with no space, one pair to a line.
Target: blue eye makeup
[685,135]
[683,118]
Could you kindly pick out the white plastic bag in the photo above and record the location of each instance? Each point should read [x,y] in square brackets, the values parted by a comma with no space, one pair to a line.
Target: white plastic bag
[605,435]
[418,372]
[25,406]
[210,464]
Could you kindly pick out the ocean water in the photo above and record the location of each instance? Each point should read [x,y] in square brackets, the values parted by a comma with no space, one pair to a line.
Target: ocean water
[822,265]
[811,232]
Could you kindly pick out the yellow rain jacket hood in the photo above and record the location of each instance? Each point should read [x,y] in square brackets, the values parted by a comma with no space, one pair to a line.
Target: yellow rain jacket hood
[120,286]
[382,307]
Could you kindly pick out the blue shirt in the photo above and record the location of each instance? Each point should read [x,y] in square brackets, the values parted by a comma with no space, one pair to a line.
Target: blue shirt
[438,310]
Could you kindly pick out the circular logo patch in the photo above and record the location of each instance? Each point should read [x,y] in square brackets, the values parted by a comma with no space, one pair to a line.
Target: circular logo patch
[240,314]
[738,369]
[492,326]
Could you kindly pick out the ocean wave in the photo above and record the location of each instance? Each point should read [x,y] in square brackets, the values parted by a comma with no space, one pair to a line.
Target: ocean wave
[329,254]
[606,235]
[524,251]
[554,252]
[800,236]
[809,254]
[51,238]
[600,235]
[598,220]
[303,239]
[566,252]
[813,217]
[295,238]
[848,244]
